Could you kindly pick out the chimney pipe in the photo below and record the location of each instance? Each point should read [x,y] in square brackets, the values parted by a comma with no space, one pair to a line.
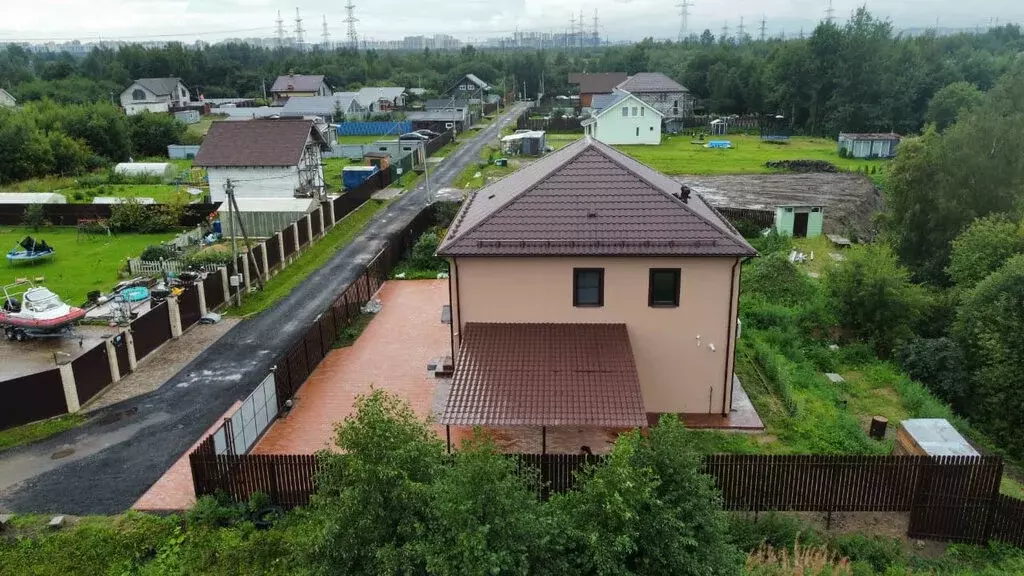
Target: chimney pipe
[684,193]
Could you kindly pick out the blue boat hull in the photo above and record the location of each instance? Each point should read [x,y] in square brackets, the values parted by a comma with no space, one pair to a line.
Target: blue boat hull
[22,256]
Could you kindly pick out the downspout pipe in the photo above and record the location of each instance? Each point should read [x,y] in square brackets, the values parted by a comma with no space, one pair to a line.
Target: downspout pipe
[734,299]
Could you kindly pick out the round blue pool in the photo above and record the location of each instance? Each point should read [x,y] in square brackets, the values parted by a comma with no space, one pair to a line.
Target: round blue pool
[135,293]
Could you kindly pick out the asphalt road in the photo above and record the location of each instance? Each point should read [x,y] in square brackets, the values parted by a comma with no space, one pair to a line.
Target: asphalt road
[120,452]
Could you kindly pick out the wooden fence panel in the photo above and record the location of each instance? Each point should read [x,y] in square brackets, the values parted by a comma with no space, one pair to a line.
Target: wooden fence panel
[151,330]
[188,306]
[92,372]
[30,398]
[298,367]
[288,234]
[328,333]
[314,349]
[289,480]
[213,290]
[303,230]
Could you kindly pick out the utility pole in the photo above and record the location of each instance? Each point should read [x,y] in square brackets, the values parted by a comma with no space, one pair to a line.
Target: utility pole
[229,190]
[280,30]
[350,20]
[764,22]
[684,19]
[582,30]
[570,42]
[298,30]
[326,36]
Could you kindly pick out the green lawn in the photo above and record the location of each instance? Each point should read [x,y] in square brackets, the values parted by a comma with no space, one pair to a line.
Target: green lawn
[38,430]
[79,265]
[332,172]
[365,139]
[311,260]
[559,141]
[203,126]
[676,155]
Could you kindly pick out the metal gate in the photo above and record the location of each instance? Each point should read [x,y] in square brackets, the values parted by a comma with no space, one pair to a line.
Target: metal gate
[955,499]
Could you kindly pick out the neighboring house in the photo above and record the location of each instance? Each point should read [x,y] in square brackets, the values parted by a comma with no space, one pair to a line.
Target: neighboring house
[380,99]
[591,85]
[440,120]
[469,87]
[671,98]
[264,159]
[446,104]
[331,108]
[622,118]
[154,95]
[6,100]
[588,289]
[298,85]
[869,145]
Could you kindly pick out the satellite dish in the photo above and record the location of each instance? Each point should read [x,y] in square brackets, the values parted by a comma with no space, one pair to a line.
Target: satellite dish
[195,192]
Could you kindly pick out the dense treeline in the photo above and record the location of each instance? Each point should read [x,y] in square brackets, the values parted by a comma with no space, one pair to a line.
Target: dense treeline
[853,76]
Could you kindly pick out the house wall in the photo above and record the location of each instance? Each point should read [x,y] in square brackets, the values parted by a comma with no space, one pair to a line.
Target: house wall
[671,104]
[679,372]
[6,99]
[254,182]
[180,97]
[132,109]
[613,128]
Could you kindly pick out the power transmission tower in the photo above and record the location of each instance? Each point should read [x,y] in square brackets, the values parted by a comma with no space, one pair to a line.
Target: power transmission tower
[684,19]
[298,30]
[570,42]
[764,22]
[596,40]
[280,30]
[725,31]
[583,33]
[829,12]
[801,32]
[326,36]
[741,31]
[350,20]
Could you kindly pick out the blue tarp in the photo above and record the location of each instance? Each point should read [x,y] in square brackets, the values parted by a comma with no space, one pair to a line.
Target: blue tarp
[374,128]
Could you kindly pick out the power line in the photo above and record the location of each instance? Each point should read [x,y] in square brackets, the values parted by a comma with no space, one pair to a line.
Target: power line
[684,18]
[350,21]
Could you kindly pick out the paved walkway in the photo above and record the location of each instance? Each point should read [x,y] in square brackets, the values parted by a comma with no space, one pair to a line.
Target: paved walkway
[391,354]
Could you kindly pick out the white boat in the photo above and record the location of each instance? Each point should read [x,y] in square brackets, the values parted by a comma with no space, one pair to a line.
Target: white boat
[30,311]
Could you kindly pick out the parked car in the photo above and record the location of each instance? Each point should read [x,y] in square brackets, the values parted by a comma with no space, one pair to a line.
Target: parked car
[428,133]
[413,136]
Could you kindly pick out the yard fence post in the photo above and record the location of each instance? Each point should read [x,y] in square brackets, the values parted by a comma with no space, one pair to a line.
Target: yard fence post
[115,371]
[334,219]
[224,283]
[280,249]
[129,341]
[266,263]
[323,228]
[200,290]
[174,311]
[309,229]
[295,233]
[246,273]
[67,379]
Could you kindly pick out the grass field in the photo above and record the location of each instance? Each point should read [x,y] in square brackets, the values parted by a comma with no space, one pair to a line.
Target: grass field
[161,193]
[676,155]
[332,172]
[38,430]
[365,139]
[203,126]
[79,266]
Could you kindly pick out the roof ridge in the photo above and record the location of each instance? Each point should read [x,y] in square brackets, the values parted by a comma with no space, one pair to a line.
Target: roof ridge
[588,142]
[675,199]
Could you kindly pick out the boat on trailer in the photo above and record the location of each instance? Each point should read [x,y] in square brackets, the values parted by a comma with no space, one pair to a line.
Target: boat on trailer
[29,311]
[29,250]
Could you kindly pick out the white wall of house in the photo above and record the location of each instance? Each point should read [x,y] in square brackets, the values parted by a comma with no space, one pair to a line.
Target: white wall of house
[135,97]
[6,99]
[639,124]
[132,109]
[254,182]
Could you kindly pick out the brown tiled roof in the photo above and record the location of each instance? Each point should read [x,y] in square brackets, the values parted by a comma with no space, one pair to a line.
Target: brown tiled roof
[602,83]
[589,199]
[545,375]
[650,82]
[297,83]
[276,142]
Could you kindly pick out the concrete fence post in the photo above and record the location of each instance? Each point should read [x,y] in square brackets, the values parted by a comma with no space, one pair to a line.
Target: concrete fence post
[334,219]
[280,249]
[133,360]
[323,228]
[266,263]
[309,229]
[175,313]
[246,274]
[224,282]
[115,370]
[295,232]
[67,379]
[201,290]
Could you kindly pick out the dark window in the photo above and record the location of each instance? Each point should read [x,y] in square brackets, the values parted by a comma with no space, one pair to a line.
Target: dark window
[664,287]
[588,286]
[138,94]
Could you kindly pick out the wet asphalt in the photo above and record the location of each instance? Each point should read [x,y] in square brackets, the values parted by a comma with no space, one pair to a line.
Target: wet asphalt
[123,449]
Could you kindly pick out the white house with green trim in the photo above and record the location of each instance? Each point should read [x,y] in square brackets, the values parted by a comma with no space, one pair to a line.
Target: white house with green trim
[622,118]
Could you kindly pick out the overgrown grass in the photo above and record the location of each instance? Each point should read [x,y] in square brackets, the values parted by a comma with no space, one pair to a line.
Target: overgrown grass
[559,141]
[38,430]
[81,263]
[477,174]
[75,194]
[332,172]
[312,259]
[351,333]
[676,155]
[365,139]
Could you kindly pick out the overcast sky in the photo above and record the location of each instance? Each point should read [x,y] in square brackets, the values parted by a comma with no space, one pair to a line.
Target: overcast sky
[211,20]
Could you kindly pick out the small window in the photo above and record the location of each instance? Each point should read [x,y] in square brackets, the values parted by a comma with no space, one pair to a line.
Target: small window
[588,286]
[634,111]
[664,288]
[641,112]
[625,111]
[138,94]
[637,130]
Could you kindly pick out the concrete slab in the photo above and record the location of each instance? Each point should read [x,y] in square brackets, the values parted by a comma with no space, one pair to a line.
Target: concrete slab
[23,358]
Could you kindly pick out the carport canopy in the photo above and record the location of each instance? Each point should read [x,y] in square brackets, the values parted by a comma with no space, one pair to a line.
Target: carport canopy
[545,375]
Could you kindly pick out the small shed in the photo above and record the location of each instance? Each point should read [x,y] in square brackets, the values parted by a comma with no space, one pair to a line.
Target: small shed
[162,170]
[799,221]
[869,145]
[353,176]
[931,437]
[525,142]
[263,217]
[32,198]
[187,116]
[719,127]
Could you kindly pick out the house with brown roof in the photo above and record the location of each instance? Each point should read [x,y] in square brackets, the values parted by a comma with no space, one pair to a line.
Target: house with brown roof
[591,85]
[270,158]
[669,97]
[298,85]
[590,290]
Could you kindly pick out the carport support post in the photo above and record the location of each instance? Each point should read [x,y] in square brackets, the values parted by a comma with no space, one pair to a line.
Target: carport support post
[67,379]
[175,313]
[224,282]
[280,249]
[129,340]
[115,371]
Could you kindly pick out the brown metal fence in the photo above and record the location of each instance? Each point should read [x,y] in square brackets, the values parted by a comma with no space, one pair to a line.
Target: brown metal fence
[188,306]
[120,343]
[287,479]
[325,206]
[303,230]
[151,330]
[762,218]
[92,372]
[288,235]
[30,398]
[314,221]
[213,290]
[439,142]
[1007,523]
[273,251]
[956,499]
[70,214]
[257,254]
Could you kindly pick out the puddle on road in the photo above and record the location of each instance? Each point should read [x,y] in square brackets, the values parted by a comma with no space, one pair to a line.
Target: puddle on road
[116,416]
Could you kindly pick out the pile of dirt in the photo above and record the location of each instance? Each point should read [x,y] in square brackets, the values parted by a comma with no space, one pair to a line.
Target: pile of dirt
[802,166]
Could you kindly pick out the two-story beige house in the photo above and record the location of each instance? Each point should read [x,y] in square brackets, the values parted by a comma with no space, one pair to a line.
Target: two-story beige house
[588,289]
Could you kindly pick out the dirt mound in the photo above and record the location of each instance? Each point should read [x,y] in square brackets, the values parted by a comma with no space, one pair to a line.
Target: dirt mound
[802,166]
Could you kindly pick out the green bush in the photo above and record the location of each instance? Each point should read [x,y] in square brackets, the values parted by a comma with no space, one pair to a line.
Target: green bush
[777,530]
[877,551]
[208,257]
[444,213]
[130,215]
[423,253]
[772,242]
[34,217]
[778,280]
[157,252]
[940,364]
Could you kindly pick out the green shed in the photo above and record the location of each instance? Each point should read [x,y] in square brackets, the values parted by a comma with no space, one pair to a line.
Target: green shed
[799,221]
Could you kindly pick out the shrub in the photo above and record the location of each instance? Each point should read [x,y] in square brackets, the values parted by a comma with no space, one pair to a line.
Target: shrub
[423,253]
[879,552]
[444,213]
[34,217]
[778,280]
[772,242]
[772,529]
[208,257]
[132,216]
[940,364]
[844,153]
[157,252]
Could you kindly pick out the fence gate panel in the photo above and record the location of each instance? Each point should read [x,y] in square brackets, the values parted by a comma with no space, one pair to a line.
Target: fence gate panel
[213,289]
[956,498]
[188,305]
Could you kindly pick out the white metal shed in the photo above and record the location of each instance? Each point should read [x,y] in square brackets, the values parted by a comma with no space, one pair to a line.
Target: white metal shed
[163,170]
[32,198]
